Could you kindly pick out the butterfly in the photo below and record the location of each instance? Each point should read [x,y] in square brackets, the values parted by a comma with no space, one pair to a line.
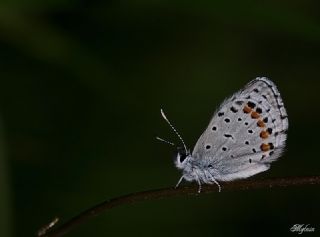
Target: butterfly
[245,135]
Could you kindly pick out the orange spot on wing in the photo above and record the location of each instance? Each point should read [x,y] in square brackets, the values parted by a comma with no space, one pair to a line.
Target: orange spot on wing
[247,109]
[264,134]
[261,124]
[255,115]
[265,147]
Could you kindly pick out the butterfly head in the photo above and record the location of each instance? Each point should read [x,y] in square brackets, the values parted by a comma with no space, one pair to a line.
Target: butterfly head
[184,161]
[182,158]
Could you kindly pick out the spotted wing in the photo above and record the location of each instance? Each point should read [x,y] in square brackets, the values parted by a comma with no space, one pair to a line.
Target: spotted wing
[246,133]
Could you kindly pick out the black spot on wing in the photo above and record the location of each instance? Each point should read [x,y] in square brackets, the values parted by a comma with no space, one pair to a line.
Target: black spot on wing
[259,110]
[233,109]
[228,136]
[251,104]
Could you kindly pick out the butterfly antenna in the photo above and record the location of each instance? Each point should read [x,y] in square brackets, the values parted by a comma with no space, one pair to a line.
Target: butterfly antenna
[165,141]
[175,131]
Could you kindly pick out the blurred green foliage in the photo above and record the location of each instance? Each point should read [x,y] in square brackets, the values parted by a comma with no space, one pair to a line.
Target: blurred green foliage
[5,202]
[82,83]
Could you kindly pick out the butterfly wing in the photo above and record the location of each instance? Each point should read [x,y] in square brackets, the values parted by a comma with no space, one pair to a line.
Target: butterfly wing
[246,133]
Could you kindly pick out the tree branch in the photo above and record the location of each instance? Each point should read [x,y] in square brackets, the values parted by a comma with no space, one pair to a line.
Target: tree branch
[171,192]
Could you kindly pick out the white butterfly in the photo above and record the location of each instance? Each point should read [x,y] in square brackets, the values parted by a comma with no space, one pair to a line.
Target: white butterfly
[245,135]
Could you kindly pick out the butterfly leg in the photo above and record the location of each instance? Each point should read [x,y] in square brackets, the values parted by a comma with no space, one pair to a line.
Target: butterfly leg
[215,181]
[180,180]
[199,183]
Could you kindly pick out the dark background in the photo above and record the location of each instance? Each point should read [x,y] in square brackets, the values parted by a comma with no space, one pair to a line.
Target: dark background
[82,84]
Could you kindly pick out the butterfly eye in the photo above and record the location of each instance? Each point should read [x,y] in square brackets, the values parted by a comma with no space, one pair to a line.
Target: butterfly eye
[181,154]
[182,157]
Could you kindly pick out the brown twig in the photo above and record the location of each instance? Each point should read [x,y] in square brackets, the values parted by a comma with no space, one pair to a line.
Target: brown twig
[171,192]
